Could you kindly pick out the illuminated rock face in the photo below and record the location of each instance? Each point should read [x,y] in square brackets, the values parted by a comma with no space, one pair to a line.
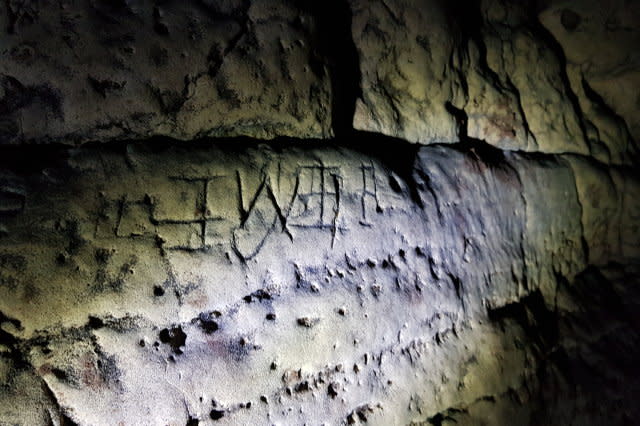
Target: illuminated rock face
[494,66]
[423,71]
[332,283]
[444,230]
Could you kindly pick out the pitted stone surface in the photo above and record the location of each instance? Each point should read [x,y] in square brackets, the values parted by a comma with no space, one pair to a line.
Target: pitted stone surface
[279,284]
[556,80]
[381,212]
[425,68]
[598,40]
[73,72]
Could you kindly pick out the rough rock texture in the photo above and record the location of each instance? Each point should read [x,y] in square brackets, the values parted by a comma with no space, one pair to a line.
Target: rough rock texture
[274,284]
[97,70]
[599,40]
[408,76]
[423,71]
[426,67]
[431,217]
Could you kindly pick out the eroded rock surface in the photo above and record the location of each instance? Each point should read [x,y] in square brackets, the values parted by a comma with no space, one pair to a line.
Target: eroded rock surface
[97,70]
[381,212]
[274,284]
[599,39]
[494,69]
[562,79]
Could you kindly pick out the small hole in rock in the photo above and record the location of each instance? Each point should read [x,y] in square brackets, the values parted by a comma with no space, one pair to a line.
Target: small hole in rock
[569,19]
[216,414]
[176,338]
[95,322]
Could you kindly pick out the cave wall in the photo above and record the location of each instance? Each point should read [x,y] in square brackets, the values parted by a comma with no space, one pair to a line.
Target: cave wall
[283,212]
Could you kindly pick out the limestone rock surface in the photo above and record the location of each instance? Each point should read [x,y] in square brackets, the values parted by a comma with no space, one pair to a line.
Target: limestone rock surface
[73,72]
[175,284]
[562,79]
[431,73]
[377,212]
[406,52]
[599,41]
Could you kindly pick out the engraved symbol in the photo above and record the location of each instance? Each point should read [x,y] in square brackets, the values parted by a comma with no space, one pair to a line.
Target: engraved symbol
[315,204]
[316,201]
[258,220]
[187,220]
[133,218]
[369,195]
[194,215]
[198,212]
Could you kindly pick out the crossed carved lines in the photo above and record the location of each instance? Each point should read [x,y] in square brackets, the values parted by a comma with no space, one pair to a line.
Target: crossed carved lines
[314,203]
[369,191]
